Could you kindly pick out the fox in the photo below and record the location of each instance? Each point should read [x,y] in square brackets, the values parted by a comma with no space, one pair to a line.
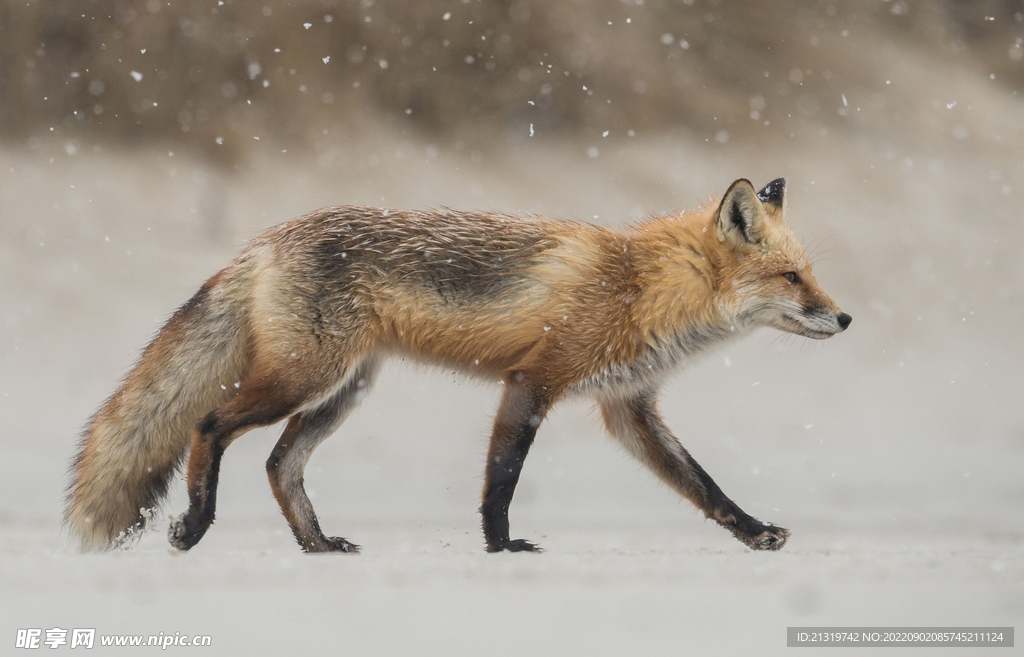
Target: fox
[297,326]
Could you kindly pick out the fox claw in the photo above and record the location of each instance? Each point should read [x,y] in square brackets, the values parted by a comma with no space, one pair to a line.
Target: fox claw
[518,545]
[772,538]
[180,536]
[338,544]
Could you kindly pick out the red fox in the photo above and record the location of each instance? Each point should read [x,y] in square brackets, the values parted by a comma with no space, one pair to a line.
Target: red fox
[296,327]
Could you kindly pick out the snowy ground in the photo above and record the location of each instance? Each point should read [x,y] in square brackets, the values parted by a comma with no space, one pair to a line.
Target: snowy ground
[893,452]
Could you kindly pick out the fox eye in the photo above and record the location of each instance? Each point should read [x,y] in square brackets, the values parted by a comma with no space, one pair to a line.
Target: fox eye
[792,277]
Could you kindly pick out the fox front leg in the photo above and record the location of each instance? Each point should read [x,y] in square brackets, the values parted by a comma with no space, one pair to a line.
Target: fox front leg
[635,423]
[515,426]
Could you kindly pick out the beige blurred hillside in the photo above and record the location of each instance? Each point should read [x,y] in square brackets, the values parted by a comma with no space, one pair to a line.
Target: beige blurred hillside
[307,73]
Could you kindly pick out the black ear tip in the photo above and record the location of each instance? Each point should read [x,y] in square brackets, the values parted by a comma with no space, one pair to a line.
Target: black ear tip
[773,191]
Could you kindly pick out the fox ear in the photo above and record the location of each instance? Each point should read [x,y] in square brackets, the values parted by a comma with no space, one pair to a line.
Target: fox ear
[741,217]
[773,197]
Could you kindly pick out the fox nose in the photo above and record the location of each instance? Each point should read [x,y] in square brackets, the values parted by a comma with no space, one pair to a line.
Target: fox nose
[844,320]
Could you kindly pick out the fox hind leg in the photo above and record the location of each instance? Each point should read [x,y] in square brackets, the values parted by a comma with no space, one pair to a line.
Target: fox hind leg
[261,400]
[637,425]
[305,431]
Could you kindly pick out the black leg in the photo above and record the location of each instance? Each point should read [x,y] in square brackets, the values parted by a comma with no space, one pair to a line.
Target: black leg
[190,528]
[255,405]
[519,415]
[635,422]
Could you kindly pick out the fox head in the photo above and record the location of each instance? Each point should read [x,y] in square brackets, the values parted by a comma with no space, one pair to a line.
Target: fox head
[764,275]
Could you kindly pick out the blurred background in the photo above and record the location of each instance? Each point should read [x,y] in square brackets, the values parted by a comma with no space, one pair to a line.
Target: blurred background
[143,142]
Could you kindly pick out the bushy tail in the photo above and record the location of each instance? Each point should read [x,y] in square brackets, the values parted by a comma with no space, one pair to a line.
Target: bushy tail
[135,443]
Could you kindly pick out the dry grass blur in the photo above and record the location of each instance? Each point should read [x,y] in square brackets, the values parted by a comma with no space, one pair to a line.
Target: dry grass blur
[210,77]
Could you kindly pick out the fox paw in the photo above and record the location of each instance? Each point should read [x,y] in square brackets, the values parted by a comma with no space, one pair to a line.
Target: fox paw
[772,538]
[322,544]
[518,545]
[181,536]
[338,544]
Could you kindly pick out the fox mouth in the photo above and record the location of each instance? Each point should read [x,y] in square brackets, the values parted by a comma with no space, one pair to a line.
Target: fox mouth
[798,327]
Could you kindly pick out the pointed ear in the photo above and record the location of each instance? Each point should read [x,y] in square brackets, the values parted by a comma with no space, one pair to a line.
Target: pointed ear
[773,197]
[741,217]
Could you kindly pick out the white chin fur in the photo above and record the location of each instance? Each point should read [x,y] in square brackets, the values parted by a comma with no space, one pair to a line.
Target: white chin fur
[797,327]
